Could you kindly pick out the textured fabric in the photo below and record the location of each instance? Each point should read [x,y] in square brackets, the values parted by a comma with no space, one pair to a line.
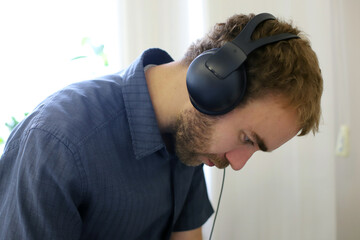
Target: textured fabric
[90,163]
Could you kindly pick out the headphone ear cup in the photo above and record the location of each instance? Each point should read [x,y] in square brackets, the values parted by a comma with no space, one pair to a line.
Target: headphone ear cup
[210,94]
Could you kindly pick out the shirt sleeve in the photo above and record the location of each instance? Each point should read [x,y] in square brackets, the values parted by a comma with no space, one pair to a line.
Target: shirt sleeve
[197,208]
[40,189]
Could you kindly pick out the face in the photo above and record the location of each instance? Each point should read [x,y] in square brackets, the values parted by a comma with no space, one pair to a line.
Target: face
[263,124]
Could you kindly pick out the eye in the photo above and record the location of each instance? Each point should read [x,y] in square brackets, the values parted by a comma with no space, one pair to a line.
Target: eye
[247,140]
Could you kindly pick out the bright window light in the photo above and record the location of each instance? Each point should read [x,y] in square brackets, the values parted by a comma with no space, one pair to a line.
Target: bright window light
[46,45]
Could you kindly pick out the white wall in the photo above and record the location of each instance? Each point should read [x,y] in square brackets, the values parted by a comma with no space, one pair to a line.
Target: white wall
[153,24]
[346,35]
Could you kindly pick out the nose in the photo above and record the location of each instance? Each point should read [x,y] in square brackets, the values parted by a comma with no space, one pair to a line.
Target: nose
[238,157]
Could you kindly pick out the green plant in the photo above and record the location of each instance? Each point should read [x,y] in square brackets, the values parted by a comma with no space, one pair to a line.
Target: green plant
[98,50]
[11,125]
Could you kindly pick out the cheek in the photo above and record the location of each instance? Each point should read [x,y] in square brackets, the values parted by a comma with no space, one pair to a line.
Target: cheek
[221,146]
[222,142]
[223,138]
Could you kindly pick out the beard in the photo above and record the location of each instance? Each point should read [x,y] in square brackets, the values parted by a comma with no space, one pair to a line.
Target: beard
[193,133]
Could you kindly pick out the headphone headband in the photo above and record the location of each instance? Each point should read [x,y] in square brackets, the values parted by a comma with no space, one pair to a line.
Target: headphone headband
[234,53]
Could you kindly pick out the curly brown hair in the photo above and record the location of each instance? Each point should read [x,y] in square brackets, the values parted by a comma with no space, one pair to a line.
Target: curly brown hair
[288,68]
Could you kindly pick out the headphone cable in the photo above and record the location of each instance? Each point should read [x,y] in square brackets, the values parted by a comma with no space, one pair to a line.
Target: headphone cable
[218,204]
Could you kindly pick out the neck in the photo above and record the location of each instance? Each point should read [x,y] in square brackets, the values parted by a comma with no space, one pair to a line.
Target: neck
[168,93]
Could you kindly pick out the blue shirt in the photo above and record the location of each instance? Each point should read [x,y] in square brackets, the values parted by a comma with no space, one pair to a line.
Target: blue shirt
[90,163]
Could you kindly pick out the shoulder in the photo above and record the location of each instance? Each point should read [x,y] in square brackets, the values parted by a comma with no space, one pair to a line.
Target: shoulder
[77,110]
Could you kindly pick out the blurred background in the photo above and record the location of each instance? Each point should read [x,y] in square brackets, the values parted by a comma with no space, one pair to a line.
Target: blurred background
[307,190]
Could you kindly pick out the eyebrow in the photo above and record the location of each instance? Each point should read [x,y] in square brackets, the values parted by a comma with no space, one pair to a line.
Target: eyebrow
[260,142]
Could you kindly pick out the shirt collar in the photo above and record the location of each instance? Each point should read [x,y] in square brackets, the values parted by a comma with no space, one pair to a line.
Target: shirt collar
[145,133]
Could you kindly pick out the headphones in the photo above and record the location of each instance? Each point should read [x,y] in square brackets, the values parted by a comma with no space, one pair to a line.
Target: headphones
[216,80]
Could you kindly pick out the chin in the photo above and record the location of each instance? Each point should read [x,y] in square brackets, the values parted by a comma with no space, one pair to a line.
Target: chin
[191,162]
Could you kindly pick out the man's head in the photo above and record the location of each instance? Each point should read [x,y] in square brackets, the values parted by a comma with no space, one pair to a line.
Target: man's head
[288,68]
[283,77]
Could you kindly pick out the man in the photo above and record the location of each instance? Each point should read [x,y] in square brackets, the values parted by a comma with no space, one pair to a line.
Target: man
[121,157]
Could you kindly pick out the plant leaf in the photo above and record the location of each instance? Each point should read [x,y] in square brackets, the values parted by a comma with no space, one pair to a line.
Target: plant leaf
[85,40]
[98,50]
[79,57]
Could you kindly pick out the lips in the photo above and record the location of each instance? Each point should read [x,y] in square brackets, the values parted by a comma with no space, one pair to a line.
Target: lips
[209,163]
[206,161]
[216,160]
